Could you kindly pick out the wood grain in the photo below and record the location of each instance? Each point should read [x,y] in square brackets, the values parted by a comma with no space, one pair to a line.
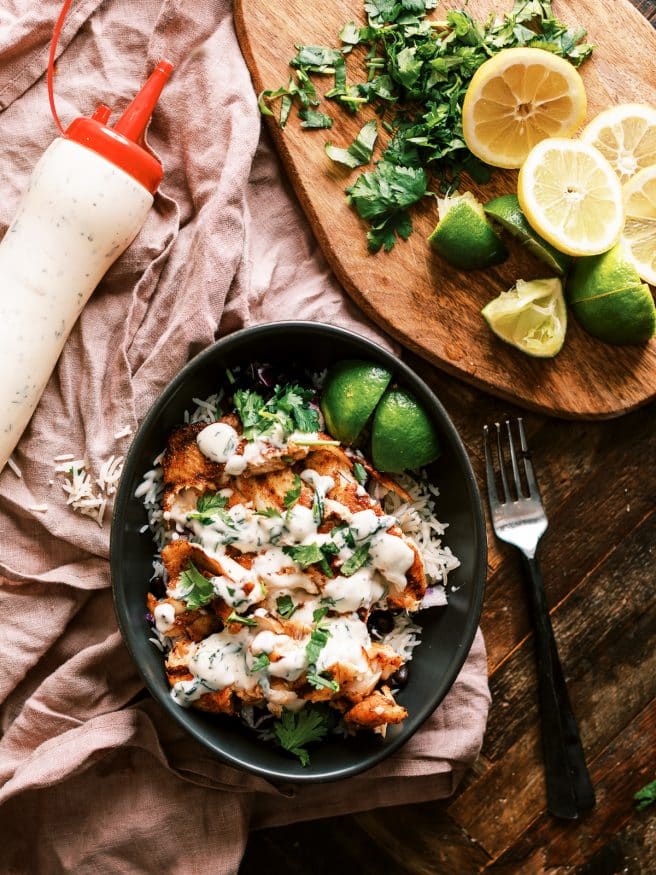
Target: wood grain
[423,302]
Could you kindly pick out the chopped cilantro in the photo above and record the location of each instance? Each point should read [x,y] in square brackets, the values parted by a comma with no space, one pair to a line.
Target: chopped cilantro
[285,606]
[312,554]
[416,74]
[288,407]
[270,512]
[646,796]
[360,473]
[292,495]
[322,681]
[318,640]
[360,150]
[261,662]
[237,618]
[197,589]
[210,506]
[313,119]
[355,561]
[296,729]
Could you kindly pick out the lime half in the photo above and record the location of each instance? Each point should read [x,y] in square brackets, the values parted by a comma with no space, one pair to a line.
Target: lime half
[624,316]
[531,316]
[508,213]
[350,393]
[463,236]
[403,436]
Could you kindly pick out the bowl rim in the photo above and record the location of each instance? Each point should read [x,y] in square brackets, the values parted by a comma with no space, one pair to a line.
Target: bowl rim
[477,582]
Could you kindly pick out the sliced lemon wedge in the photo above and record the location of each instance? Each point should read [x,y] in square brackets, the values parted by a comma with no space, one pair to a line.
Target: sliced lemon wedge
[639,235]
[571,196]
[518,98]
[626,136]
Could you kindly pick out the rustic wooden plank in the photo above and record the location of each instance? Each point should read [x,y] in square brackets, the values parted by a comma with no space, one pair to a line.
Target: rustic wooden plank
[621,769]
[412,292]
[610,625]
[429,843]
[580,505]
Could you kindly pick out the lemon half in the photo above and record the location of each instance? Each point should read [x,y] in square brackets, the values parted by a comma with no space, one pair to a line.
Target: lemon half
[571,196]
[518,98]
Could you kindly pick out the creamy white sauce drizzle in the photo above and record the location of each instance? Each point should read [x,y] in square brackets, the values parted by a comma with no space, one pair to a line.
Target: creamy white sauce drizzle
[164,617]
[224,659]
[218,441]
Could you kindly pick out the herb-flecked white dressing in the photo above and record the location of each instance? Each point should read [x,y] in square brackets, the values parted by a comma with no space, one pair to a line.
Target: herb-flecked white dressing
[79,213]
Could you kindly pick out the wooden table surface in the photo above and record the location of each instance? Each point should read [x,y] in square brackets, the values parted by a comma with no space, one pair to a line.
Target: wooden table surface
[598,482]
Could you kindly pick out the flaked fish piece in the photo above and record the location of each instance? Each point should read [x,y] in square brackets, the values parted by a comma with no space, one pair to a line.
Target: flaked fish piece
[378,709]
[184,466]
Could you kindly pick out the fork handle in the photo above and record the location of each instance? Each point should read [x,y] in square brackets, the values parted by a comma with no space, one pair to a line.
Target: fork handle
[569,788]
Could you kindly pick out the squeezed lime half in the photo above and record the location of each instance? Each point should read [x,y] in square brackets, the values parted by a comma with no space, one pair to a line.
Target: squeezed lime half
[531,316]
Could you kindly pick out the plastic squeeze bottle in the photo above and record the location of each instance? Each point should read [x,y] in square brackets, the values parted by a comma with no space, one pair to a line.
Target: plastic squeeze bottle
[86,200]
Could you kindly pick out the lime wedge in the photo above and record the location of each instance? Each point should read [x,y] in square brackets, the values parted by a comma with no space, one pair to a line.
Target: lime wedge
[350,393]
[599,274]
[621,317]
[507,212]
[531,316]
[403,436]
[463,235]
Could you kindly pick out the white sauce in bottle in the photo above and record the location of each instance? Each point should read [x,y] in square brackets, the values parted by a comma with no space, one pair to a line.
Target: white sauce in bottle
[80,212]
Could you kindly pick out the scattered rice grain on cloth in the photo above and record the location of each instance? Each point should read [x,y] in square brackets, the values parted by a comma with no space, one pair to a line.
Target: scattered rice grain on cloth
[225,246]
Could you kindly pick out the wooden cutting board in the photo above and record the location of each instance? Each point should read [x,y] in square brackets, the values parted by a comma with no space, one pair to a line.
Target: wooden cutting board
[411,292]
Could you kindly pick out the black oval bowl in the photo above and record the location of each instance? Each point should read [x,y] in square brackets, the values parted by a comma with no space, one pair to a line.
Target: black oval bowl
[447,632]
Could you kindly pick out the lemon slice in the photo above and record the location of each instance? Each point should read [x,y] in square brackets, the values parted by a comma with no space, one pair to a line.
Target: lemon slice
[626,136]
[518,98]
[639,236]
[571,196]
[531,316]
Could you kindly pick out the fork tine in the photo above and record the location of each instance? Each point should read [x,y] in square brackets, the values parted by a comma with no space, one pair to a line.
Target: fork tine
[502,466]
[513,459]
[489,469]
[533,488]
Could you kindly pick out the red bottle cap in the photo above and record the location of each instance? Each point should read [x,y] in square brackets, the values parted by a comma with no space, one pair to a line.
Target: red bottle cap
[123,144]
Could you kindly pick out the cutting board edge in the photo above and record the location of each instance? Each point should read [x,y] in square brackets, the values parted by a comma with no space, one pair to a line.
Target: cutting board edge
[278,136]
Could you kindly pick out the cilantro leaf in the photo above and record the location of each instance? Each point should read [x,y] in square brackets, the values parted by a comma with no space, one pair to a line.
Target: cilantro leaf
[645,797]
[322,681]
[355,561]
[296,729]
[318,640]
[312,554]
[260,663]
[270,512]
[359,473]
[285,606]
[360,150]
[237,618]
[197,589]
[209,506]
[313,119]
[381,197]
[294,493]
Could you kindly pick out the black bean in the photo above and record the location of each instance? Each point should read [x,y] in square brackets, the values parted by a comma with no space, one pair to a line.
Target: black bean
[380,623]
[400,678]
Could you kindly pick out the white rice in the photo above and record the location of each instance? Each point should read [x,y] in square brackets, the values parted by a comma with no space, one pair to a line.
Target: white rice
[404,637]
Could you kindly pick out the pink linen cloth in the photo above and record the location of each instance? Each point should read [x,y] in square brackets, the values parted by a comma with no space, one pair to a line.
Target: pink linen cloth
[93,776]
